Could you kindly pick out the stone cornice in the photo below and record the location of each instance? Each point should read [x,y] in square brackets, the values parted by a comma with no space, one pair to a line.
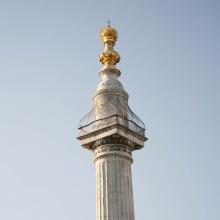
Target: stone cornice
[115,132]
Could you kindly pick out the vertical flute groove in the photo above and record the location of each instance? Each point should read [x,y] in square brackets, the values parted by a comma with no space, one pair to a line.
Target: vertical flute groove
[100,192]
[120,198]
[103,191]
[129,192]
[106,191]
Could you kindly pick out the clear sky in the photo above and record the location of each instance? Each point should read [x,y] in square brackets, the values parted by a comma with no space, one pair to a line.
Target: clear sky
[48,74]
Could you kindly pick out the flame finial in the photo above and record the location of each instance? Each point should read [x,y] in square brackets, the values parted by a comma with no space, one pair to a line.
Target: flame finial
[109,57]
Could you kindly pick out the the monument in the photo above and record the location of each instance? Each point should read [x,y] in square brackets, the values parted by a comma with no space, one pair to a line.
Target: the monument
[112,131]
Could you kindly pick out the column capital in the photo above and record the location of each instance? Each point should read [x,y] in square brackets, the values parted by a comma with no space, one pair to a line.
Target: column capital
[113,150]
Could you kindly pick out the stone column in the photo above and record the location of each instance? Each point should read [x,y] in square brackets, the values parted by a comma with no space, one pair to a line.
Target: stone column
[114,195]
[112,131]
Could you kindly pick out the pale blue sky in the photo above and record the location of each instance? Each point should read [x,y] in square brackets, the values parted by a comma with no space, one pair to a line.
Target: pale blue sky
[48,73]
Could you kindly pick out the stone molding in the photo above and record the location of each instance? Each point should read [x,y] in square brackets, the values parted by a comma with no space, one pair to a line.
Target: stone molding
[113,140]
[112,70]
[110,150]
[116,92]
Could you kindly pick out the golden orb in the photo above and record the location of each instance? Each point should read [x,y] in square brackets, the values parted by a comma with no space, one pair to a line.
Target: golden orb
[109,58]
[108,35]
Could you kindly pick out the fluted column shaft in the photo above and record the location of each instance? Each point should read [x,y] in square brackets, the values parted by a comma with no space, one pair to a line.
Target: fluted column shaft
[114,194]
